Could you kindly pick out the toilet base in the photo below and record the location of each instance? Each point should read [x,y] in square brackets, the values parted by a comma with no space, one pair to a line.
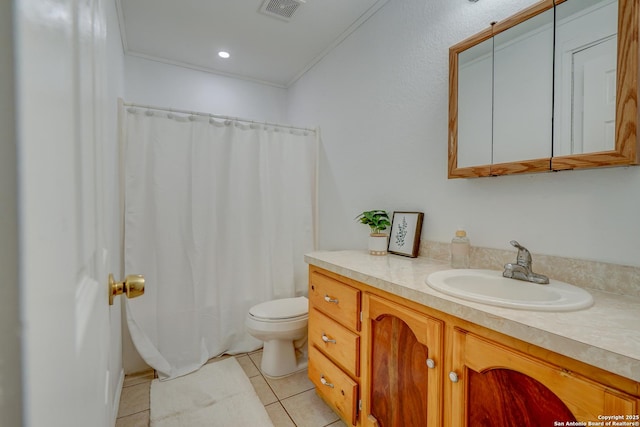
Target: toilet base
[279,359]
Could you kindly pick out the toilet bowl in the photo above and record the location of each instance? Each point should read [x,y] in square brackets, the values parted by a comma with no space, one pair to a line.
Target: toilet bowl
[282,325]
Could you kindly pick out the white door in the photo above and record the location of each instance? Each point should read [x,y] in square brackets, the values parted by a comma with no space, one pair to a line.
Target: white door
[61,93]
[598,67]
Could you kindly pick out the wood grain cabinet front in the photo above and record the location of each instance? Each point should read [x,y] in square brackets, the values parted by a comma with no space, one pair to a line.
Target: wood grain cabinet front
[496,385]
[334,298]
[334,342]
[402,379]
[333,385]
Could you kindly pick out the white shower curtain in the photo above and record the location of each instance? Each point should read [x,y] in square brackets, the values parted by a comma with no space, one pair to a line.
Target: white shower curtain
[218,216]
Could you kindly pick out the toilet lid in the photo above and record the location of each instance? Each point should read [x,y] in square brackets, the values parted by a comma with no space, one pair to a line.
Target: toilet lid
[285,308]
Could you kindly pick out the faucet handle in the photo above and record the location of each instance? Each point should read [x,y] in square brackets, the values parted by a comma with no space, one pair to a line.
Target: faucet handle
[517,245]
[524,256]
[523,263]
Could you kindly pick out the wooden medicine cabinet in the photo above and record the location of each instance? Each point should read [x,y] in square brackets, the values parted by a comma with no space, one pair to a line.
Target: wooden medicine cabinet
[553,87]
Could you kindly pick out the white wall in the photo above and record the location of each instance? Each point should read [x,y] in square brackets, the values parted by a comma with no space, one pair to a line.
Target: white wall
[381,101]
[163,85]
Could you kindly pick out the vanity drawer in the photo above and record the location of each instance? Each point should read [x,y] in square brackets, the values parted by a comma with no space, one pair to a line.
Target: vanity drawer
[334,386]
[339,301]
[336,341]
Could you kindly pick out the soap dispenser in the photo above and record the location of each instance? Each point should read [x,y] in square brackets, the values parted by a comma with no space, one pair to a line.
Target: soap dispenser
[460,250]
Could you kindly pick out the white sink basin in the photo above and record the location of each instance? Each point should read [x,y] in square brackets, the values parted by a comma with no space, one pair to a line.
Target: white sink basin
[489,287]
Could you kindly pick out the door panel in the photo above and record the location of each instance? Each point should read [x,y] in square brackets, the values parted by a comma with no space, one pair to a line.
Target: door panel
[598,68]
[402,381]
[507,397]
[399,377]
[496,384]
[61,91]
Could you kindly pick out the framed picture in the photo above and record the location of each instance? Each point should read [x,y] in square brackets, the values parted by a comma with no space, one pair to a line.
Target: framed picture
[405,233]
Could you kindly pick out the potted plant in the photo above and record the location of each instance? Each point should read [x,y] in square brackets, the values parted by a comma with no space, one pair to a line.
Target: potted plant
[378,221]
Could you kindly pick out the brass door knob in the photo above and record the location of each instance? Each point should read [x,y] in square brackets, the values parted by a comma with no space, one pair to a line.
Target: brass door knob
[133,286]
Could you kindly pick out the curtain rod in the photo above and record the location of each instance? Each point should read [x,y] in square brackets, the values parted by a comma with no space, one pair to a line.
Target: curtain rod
[214,116]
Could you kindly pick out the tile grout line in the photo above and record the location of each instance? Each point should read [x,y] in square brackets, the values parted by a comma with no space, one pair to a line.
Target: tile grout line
[260,374]
[134,413]
[273,391]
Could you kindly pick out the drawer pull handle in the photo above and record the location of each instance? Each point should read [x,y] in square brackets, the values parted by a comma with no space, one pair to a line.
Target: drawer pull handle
[327,298]
[325,382]
[327,339]
[431,364]
[453,377]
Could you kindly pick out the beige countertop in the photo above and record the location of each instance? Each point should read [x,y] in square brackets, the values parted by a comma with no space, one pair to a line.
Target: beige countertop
[606,335]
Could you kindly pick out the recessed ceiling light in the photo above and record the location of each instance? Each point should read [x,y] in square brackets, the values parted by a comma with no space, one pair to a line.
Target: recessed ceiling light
[223,54]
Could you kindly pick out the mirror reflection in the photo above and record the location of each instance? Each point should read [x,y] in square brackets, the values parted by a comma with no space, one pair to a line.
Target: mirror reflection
[475,94]
[585,76]
[523,95]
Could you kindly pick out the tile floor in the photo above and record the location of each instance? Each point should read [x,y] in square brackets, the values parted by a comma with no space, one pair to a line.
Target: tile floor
[290,401]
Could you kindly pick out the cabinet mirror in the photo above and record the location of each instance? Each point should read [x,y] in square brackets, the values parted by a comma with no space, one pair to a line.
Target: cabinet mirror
[475,97]
[585,77]
[522,91]
[553,87]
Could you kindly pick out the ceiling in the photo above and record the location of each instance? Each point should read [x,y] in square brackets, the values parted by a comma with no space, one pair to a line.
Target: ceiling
[264,47]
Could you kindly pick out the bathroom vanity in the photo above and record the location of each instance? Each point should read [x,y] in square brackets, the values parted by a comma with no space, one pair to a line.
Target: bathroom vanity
[386,350]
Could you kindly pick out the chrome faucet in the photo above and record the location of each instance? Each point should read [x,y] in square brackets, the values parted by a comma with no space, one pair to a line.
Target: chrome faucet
[521,270]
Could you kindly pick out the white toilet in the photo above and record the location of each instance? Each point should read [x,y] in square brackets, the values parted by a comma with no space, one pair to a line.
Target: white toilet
[282,325]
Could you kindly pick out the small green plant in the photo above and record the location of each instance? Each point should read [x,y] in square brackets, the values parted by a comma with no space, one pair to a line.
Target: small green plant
[377,220]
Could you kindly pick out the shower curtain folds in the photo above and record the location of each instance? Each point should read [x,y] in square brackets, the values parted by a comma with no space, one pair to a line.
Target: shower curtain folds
[218,216]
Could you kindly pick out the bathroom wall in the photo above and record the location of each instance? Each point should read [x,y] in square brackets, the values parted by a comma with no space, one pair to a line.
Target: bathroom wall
[163,85]
[381,101]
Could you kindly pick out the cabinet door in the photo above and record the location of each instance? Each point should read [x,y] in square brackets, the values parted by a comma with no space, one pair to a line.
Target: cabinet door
[496,385]
[402,379]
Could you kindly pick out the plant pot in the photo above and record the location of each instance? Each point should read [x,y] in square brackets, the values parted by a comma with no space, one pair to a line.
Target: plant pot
[378,243]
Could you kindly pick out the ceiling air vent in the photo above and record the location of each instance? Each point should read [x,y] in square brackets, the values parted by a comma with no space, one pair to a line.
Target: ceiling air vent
[281,9]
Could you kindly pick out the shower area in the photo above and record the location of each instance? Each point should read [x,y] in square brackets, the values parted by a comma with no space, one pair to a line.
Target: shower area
[218,214]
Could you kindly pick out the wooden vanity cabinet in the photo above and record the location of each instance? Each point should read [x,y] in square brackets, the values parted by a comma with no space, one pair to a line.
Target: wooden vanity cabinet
[496,385]
[334,342]
[395,362]
[402,374]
